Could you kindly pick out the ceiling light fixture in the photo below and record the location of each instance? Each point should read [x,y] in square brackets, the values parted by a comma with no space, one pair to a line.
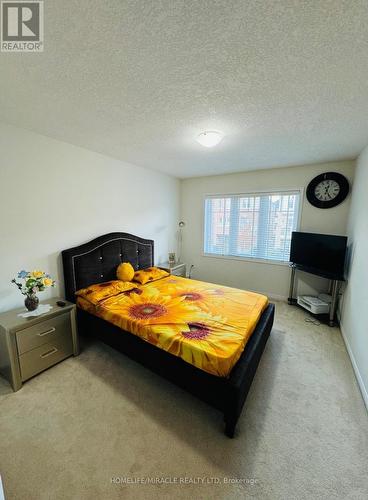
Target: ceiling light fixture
[209,139]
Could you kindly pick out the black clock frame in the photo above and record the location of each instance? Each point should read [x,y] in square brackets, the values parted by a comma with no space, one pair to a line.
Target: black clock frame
[334,176]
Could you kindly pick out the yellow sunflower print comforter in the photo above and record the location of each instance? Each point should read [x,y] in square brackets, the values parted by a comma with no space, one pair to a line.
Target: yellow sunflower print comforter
[206,325]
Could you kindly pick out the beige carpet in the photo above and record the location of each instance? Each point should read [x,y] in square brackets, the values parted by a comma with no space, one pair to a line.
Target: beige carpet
[303,434]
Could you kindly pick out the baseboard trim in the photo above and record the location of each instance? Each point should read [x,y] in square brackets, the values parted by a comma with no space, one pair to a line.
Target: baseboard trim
[358,377]
[272,296]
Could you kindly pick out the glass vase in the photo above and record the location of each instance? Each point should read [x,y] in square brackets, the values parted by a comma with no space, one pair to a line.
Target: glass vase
[31,301]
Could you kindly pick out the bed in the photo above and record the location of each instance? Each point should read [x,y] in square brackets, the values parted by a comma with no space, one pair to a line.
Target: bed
[96,262]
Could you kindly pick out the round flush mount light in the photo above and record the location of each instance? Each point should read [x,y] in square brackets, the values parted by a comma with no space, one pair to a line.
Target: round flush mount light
[210,138]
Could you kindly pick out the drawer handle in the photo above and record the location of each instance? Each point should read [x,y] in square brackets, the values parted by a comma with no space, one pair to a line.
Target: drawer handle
[46,333]
[48,353]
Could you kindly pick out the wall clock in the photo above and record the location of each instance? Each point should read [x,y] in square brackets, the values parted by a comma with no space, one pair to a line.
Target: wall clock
[327,190]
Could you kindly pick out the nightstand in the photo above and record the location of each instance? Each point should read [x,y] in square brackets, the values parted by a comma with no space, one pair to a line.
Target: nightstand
[30,345]
[178,269]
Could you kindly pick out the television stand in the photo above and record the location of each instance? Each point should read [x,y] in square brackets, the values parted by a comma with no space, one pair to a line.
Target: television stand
[335,285]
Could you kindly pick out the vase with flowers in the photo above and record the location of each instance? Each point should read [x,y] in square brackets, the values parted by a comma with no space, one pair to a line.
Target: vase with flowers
[32,282]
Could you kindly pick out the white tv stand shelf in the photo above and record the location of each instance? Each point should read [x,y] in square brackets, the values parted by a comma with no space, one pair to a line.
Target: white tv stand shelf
[335,285]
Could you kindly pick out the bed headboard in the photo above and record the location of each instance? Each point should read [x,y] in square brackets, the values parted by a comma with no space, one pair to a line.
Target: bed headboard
[97,260]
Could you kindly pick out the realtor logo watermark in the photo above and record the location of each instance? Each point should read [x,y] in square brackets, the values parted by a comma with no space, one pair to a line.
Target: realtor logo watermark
[21,26]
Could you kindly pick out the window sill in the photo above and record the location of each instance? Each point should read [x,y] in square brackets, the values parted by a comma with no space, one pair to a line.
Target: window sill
[247,259]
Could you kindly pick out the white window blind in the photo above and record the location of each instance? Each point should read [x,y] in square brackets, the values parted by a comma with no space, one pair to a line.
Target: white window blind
[251,225]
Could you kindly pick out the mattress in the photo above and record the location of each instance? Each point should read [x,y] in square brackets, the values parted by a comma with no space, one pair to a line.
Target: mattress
[205,324]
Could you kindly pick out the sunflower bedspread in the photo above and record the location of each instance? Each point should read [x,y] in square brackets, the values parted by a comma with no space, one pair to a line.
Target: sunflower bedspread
[206,325]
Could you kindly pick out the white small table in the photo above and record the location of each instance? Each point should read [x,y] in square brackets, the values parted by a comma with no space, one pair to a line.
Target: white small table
[177,269]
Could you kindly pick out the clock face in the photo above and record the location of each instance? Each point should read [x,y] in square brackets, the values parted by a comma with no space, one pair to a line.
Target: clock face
[327,190]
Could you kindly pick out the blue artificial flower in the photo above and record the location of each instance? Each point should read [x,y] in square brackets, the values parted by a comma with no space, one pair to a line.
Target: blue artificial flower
[22,274]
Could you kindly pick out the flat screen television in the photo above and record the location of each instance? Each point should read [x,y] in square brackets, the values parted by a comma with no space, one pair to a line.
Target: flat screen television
[321,254]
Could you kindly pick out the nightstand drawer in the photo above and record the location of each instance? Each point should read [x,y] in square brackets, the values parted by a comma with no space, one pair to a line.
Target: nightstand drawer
[43,333]
[43,357]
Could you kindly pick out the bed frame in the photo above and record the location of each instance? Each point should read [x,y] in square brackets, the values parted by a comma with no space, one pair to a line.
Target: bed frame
[96,262]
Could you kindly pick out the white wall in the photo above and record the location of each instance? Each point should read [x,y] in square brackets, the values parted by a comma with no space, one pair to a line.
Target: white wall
[54,196]
[272,279]
[355,300]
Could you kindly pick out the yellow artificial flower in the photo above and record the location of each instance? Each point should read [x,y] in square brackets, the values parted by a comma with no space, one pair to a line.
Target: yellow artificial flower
[37,274]
[47,282]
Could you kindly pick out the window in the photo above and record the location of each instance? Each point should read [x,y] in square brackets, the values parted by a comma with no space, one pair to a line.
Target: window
[255,226]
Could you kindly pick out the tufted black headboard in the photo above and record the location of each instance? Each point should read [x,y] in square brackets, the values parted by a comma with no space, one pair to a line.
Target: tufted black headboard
[97,260]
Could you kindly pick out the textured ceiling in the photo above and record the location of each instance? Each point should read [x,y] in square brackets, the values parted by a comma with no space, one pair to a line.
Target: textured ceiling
[286,81]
